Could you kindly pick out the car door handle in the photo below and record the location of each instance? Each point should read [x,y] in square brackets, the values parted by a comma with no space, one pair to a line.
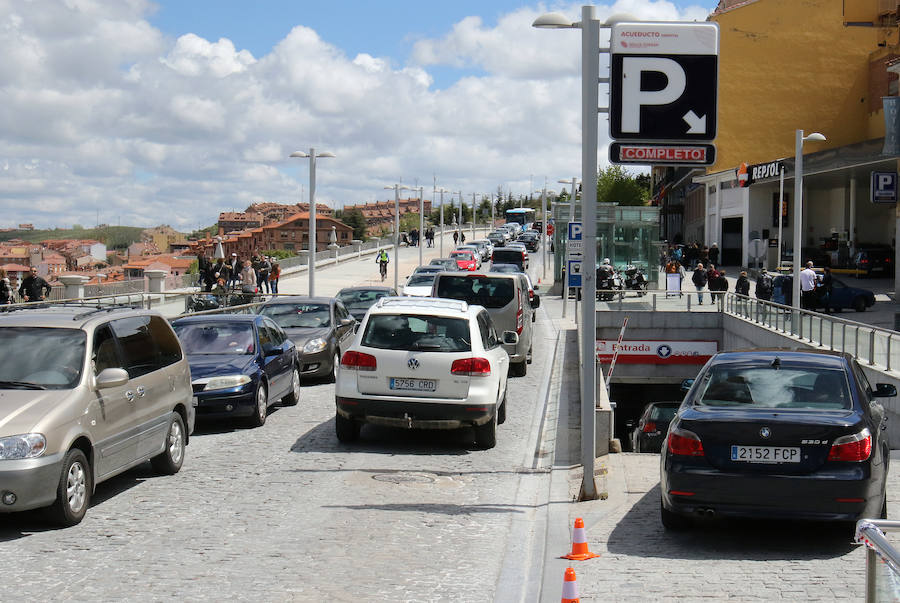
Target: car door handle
[141,391]
[129,395]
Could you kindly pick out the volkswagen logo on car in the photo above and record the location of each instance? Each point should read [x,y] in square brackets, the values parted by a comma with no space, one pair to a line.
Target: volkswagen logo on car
[412,363]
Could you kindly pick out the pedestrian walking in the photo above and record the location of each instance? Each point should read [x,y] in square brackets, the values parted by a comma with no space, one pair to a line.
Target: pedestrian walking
[721,284]
[34,288]
[455,237]
[764,285]
[5,289]
[807,287]
[699,280]
[265,267]
[462,237]
[234,271]
[714,254]
[742,288]
[825,289]
[274,275]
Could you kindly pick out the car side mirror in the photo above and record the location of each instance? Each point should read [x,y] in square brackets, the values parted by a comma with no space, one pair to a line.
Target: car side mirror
[111,377]
[536,301]
[510,337]
[686,384]
[884,390]
[346,322]
[356,327]
[272,351]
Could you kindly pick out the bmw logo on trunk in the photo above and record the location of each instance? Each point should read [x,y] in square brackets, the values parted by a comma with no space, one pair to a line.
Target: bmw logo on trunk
[412,363]
[765,432]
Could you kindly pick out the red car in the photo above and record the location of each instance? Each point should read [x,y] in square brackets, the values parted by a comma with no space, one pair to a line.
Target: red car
[465,260]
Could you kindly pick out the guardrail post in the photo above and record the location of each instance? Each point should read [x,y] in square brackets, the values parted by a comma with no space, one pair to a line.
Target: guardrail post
[872,348]
[871,576]
[654,302]
[888,362]
[831,337]
[856,343]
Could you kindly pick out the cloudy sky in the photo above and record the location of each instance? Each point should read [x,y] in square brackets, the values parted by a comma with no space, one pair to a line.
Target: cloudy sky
[141,113]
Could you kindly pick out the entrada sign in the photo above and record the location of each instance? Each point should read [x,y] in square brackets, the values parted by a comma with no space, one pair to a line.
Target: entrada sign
[656,351]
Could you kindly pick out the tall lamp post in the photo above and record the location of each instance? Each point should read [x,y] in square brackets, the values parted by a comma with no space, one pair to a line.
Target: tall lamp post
[421,221]
[312,212]
[590,76]
[544,192]
[397,188]
[798,208]
[442,190]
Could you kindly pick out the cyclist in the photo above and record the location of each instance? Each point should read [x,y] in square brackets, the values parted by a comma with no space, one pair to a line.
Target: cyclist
[382,259]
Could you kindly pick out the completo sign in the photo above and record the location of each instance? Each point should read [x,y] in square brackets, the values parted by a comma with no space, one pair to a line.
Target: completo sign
[689,154]
[656,351]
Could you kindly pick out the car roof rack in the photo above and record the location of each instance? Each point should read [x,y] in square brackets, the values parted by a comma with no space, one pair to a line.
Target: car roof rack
[432,302]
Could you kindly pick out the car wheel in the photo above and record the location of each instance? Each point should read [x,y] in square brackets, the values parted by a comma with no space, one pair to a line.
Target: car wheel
[486,435]
[170,460]
[501,411]
[518,369]
[673,521]
[261,407]
[335,363]
[294,395]
[346,430]
[859,304]
[73,494]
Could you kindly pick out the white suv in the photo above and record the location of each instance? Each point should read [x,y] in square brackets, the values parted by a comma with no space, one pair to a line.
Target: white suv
[424,363]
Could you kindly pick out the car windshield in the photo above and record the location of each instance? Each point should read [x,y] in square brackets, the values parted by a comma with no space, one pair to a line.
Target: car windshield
[443,262]
[774,387]
[466,255]
[232,338]
[417,332]
[490,292]
[421,280]
[505,268]
[40,358]
[360,298]
[663,414]
[294,316]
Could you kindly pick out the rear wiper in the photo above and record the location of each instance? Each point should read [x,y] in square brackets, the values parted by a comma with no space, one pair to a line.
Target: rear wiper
[426,346]
[21,384]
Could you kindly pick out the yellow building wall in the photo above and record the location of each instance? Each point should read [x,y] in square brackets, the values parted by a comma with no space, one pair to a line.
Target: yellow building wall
[788,65]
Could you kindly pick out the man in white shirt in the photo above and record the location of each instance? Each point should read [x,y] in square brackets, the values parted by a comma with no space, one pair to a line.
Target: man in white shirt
[807,287]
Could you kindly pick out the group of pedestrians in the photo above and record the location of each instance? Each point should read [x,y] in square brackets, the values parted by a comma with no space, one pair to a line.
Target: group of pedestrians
[33,288]
[690,254]
[255,275]
[414,237]
[459,237]
[708,277]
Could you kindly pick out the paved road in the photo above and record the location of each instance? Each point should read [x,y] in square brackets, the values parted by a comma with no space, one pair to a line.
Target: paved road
[284,512]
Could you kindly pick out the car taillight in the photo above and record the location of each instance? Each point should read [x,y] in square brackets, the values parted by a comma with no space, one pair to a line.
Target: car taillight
[520,315]
[531,295]
[474,367]
[354,360]
[864,261]
[854,447]
[649,426]
[684,443]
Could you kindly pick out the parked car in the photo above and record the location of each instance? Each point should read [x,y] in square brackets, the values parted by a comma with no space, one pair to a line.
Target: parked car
[510,255]
[424,363]
[475,251]
[320,327]
[843,297]
[465,259]
[506,298]
[87,393]
[445,263]
[240,365]
[777,434]
[875,259]
[358,300]
[650,431]
[419,284]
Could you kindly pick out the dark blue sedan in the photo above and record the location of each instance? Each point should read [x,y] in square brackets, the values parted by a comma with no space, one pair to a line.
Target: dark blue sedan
[842,297]
[240,365]
[777,434]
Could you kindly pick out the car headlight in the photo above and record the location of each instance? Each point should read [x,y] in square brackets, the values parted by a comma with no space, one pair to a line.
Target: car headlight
[25,446]
[315,345]
[226,382]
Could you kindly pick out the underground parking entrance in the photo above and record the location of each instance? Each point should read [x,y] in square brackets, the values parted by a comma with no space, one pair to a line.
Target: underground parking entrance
[631,399]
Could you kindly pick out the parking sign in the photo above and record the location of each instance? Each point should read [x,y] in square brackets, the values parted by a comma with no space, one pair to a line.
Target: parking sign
[573,273]
[884,187]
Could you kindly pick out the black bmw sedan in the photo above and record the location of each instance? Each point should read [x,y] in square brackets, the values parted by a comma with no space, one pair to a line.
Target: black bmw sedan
[778,434]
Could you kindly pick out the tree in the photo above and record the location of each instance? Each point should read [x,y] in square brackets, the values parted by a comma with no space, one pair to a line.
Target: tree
[614,184]
[355,219]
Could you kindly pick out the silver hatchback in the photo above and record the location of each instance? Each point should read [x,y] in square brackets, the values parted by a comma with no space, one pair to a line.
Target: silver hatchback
[85,394]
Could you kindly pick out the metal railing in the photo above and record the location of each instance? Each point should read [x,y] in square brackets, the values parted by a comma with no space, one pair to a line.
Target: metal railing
[882,559]
[872,345]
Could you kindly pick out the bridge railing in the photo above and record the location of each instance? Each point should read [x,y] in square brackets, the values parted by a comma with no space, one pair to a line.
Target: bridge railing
[869,344]
[882,559]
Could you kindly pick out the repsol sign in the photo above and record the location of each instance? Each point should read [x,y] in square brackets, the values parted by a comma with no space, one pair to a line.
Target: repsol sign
[761,171]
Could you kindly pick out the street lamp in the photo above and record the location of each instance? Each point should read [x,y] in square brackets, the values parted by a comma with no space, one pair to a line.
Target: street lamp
[397,188]
[442,190]
[421,221]
[312,212]
[798,207]
[590,77]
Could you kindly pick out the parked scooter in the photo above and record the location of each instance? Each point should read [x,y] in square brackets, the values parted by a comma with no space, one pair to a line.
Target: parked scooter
[635,280]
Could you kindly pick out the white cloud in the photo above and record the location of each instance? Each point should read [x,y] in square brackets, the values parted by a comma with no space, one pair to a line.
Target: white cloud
[99,110]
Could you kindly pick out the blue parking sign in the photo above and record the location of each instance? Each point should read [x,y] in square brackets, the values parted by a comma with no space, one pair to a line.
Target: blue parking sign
[573,273]
[883,187]
[575,231]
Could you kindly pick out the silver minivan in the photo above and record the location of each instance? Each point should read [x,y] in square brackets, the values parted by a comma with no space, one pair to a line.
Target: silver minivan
[506,298]
[85,394]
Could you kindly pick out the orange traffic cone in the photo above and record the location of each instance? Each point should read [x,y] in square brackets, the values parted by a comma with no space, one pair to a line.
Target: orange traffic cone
[570,587]
[580,550]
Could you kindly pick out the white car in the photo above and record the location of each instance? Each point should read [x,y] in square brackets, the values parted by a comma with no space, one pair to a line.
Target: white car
[424,363]
[419,284]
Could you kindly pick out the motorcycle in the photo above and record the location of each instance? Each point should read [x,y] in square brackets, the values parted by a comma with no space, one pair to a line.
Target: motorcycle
[635,280]
[608,282]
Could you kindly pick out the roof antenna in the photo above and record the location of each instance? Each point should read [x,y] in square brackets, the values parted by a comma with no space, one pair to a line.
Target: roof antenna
[776,364]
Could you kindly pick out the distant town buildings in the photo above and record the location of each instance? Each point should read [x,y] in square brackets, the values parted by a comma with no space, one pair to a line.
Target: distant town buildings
[379,215]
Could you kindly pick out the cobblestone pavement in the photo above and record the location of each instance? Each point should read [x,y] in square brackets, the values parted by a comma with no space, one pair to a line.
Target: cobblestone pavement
[716,561]
[284,512]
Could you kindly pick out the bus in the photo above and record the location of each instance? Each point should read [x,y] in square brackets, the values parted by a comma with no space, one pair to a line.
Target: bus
[521,215]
